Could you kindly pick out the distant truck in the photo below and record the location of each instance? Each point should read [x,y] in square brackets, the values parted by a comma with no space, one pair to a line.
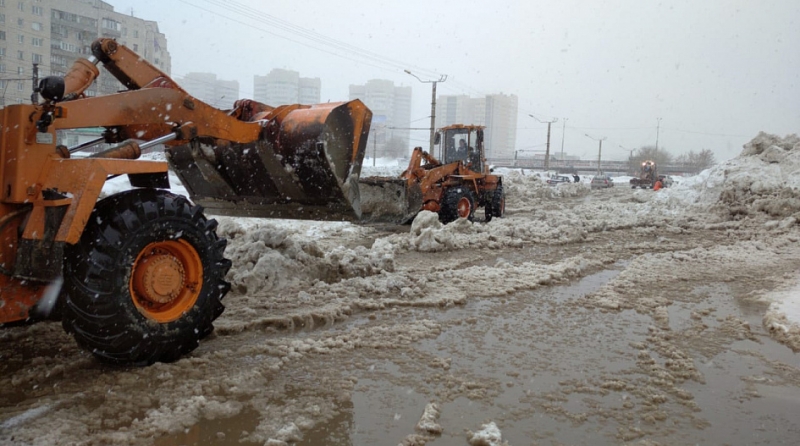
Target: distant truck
[647,175]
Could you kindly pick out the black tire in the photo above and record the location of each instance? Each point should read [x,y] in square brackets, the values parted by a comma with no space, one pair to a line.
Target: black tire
[453,204]
[496,204]
[99,307]
[499,201]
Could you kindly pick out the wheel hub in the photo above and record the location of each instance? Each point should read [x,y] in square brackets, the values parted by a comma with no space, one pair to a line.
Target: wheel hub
[464,207]
[166,280]
[160,277]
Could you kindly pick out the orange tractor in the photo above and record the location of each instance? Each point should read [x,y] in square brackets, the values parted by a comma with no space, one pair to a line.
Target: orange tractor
[139,276]
[454,188]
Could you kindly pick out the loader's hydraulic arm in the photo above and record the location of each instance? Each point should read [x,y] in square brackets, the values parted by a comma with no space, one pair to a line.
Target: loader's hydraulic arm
[288,161]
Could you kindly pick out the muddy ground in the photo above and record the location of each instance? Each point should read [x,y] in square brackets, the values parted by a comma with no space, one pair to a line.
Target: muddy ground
[582,317]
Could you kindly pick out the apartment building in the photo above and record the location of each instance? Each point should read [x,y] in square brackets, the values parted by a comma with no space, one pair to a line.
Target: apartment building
[391,117]
[54,33]
[498,112]
[218,93]
[281,87]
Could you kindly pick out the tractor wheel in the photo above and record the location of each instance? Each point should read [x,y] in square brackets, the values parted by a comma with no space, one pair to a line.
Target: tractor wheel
[458,202]
[145,282]
[499,201]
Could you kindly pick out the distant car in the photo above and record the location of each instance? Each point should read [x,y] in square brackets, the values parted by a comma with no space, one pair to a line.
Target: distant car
[558,179]
[666,180]
[602,182]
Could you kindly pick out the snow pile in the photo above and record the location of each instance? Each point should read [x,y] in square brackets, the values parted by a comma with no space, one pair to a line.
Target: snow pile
[269,257]
[522,188]
[764,178]
[489,435]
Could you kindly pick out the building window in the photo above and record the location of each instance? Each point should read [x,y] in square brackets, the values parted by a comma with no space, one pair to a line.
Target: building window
[20,22]
[135,47]
[20,71]
[37,58]
[20,86]
[37,26]
[37,10]
[20,55]
[20,39]
[2,52]
[2,35]
[2,70]
[2,18]
[21,6]
[135,33]
[36,41]
[111,24]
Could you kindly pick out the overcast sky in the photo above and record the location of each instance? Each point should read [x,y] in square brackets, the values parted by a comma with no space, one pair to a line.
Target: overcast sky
[715,72]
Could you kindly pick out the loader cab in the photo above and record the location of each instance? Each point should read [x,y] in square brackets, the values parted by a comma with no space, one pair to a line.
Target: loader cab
[461,143]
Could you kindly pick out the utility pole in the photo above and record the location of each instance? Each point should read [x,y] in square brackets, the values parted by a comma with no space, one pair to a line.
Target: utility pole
[658,127]
[599,150]
[442,78]
[547,152]
[563,130]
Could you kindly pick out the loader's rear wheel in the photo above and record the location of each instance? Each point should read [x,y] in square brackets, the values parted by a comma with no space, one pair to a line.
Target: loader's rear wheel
[458,202]
[145,282]
[497,207]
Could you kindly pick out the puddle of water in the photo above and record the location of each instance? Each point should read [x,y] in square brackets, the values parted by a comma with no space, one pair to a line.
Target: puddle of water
[537,361]
[222,432]
[526,345]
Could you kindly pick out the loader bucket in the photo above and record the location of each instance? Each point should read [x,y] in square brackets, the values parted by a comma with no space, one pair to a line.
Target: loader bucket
[389,199]
[305,165]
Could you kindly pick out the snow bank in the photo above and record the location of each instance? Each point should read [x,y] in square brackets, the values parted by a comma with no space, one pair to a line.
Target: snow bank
[764,178]
[271,256]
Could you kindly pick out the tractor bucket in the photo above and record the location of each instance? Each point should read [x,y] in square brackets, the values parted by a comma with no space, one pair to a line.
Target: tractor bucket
[305,165]
[389,199]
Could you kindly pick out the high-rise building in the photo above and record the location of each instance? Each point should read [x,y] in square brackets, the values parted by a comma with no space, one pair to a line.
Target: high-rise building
[501,125]
[282,87]
[215,92]
[309,90]
[391,117]
[55,33]
[498,112]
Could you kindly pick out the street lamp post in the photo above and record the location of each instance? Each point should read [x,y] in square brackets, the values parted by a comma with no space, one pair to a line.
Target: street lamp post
[658,127]
[599,150]
[630,158]
[442,78]
[547,152]
[563,129]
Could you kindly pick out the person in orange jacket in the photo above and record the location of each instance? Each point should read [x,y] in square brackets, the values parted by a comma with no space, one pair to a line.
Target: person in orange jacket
[658,185]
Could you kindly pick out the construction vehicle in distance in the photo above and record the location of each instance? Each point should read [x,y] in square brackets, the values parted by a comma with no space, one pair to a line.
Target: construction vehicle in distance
[648,174]
[139,276]
[454,187]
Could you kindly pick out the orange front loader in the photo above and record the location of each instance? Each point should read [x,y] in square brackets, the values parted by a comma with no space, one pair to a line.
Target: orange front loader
[454,188]
[138,277]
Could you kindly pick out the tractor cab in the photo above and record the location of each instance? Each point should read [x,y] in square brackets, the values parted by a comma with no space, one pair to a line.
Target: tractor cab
[461,143]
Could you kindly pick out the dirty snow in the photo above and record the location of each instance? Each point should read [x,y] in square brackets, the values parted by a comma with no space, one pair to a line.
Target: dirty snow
[317,311]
